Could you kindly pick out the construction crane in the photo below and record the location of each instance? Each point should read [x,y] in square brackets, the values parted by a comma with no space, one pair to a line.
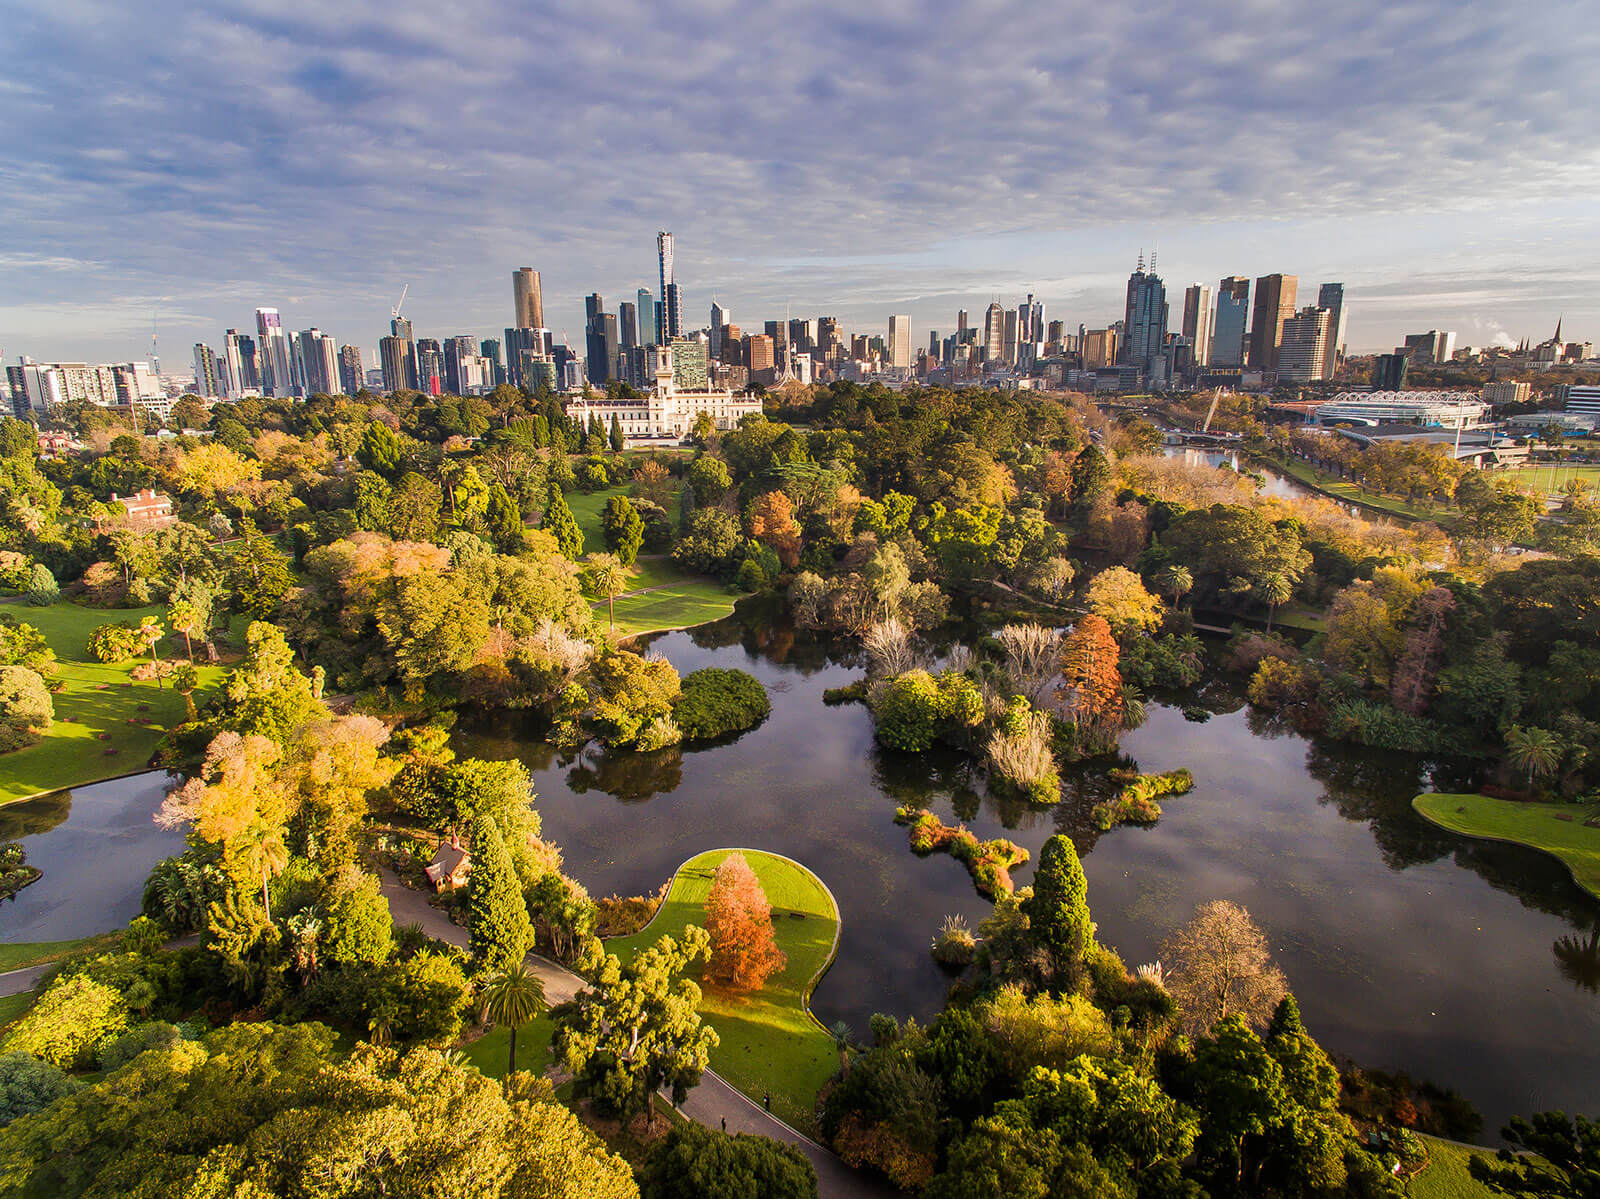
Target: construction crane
[401,303]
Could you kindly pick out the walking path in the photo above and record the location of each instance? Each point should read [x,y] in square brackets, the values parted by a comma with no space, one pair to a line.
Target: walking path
[15,982]
[711,1103]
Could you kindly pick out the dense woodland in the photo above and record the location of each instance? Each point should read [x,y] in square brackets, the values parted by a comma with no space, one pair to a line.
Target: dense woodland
[364,566]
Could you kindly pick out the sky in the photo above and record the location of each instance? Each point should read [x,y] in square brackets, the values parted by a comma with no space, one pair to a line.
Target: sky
[177,165]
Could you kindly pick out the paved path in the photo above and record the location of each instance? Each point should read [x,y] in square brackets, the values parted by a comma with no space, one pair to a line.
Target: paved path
[15,982]
[715,1100]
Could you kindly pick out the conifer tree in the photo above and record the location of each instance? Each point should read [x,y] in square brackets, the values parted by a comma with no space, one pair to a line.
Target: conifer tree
[500,933]
[561,524]
[617,440]
[744,949]
[1058,911]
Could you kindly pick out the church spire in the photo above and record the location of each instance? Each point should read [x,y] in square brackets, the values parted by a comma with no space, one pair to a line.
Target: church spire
[1557,337]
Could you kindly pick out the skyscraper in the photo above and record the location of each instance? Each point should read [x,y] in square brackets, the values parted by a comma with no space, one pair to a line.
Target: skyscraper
[430,366]
[669,318]
[1303,349]
[689,366]
[593,305]
[352,374]
[489,347]
[319,357]
[900,341]
[994,333]
[721,318]
[628,324]
[207,372]
[1144,320]
[1389,372]
[1275,301]
[647,318]
[961,321]
[277,376]
[239,365]
[460,355]
[829,342]
[601,345]
[528,297]
[1008,340]
[1228,329]
[1331,297]
[1197,315]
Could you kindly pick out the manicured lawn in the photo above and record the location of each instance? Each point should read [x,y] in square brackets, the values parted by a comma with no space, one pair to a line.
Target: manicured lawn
[1354,493]
[1445,1176]
[679,605]
[12,1006]
[96,698]
[489,1052]
[1556,828]
[1550,478]
[770,1042]
[17,955]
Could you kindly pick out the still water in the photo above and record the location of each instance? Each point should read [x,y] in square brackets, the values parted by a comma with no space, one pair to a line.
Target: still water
[1467,963]
[95,845]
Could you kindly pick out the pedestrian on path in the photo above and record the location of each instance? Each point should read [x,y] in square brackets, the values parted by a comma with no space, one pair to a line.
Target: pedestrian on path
[767,1102]
[724,1124]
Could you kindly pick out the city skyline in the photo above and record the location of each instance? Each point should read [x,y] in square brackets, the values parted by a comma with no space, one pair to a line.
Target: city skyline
[319,160]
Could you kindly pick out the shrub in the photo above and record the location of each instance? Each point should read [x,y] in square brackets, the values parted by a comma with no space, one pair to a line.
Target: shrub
[1020,756]
[26,711]
[715,702]
[1382,727]
[692,1161]
[28,1085]
[619,916]
[118,1052]
[70,1022]
[988,862]
[1136,802]
[954,946]
[360,930]
[1281,683]
[907,711]
[113,643]
[42,588]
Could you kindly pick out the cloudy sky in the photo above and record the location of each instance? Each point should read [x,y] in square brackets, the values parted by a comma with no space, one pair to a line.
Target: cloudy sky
[192,162]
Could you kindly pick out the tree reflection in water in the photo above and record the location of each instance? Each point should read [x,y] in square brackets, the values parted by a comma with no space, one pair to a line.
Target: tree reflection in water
[1578,959]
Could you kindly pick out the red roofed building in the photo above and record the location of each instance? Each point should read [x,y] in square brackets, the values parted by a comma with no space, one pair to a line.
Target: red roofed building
[147,509]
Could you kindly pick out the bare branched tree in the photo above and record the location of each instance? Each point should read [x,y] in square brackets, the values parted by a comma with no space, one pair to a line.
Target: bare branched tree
[890,649]
[1219,964]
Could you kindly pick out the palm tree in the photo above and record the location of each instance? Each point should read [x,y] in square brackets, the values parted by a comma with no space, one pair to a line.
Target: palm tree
[841,1041]
[510,999]
[605,575]
[1578,959]
[1178,580]
[1275,588]
[1133,709]
[1535,750]
[263,852]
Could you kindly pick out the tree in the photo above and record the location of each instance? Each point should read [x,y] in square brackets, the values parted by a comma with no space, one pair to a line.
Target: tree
[500,933]
[772,523]
[265,695]
[183,616]
[258,573]
[42,589]
[69,1023]
[1273,588]
[1219,965]
[744,949]
[616,438]
[1362,636]
[637,1030]
[360,931]
[26,710]
[693,1161]
[1091,685]
[708,478]
[29,1085]
[503,519]
[559,522]
[1119,597]
[382,451]
[1535,750]
[605,576]
[1176,581]
[633,700]
[1557,1157]
[1091,476]
[1058,910]
[511,998]
[623,529]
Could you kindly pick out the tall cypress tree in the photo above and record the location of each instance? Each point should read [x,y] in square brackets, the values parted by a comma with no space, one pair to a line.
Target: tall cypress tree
[500,933]
[1058,913]
[617,440]
[561,524]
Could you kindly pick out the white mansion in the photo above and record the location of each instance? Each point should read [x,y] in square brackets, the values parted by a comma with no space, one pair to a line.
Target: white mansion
[666,414]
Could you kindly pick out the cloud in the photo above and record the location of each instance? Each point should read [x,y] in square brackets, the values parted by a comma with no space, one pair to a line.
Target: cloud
[842,156]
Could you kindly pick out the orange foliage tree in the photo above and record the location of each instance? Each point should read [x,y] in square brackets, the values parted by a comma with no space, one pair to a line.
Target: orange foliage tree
[772,522]
[1091,688]
[744,951]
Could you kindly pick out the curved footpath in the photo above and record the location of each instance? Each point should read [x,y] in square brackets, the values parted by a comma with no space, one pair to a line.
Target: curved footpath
[713,1101]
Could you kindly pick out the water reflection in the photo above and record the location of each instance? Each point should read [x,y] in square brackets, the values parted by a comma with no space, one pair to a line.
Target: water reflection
[1409,947]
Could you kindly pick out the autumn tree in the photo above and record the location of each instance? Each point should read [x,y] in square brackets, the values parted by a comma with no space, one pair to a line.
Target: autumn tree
[744,950]
[1362,635]
[772,523]
[1219,965]
[1120,597]
[1091,687]
[1416,675]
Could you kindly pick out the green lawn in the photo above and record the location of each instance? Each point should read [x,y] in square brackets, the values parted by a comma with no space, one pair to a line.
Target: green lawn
[1354,493]
[96,698]
[17,955]
[1556,828]
[490,1052]
[771,1044]
[1551,478]
[1445,1176]
[12,1007]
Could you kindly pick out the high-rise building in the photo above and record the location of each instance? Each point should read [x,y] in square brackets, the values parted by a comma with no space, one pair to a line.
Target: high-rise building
[277,373]
[628,324]
[1331,297]
[523,346]
[1231,322]
[830,343]
[1432,348]
[669,317]
[994,333]
[489,347]
[458,353]
[352,372]
[1389,372]
[961,321]
[593,305]
[900,341]
[1275,303]
[239,375]
[1099,348]
[647,317]
[430,366]
[1144,321]
[528,297]
[1197,315]
[721,318]
[319,363]
[208,380]
[689,365]
[1303,349]
[602,345]
[1008,339]
[763,356]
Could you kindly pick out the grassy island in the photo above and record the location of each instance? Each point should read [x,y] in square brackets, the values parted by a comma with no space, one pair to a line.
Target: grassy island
[1556,828]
